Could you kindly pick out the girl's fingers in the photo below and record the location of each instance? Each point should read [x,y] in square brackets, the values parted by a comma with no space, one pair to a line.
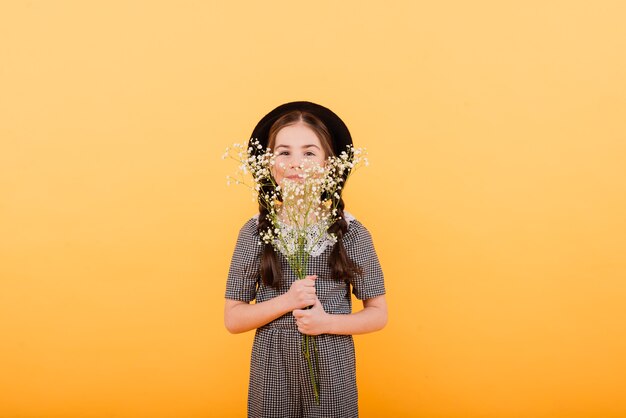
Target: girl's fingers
[298,313]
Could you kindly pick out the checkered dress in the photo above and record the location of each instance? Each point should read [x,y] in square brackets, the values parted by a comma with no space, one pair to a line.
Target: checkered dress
[280,383]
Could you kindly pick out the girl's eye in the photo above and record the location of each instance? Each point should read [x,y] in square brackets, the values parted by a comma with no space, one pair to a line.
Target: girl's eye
[284,153]
[309,154]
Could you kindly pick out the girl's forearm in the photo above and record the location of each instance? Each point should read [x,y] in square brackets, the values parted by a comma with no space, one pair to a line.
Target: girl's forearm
[369,319]
[242,316]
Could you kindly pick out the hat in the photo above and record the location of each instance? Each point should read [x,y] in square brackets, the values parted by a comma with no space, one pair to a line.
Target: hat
[339,133]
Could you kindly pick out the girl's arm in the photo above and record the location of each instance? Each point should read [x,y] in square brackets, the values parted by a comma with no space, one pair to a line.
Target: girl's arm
[314,321]
[240,316]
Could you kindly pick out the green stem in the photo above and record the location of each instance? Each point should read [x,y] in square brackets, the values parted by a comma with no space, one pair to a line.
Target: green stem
[307,355]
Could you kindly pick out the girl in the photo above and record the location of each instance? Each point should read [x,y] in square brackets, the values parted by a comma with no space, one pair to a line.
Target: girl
[280,384]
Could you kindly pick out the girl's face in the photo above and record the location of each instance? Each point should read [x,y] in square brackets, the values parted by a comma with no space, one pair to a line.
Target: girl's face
[296,147]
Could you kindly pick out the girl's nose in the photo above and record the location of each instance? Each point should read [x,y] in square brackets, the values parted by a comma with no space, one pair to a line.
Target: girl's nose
[294,163]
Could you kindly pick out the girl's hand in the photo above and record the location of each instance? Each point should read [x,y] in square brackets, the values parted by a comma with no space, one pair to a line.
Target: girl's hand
[301,293]
[312,321]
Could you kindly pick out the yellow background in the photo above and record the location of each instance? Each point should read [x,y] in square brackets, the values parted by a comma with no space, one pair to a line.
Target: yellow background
[496,199]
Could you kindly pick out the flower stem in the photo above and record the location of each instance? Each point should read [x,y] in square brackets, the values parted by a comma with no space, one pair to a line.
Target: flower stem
[308,343]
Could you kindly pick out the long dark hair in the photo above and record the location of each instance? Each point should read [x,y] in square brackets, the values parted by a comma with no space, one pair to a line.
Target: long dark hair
[341,266]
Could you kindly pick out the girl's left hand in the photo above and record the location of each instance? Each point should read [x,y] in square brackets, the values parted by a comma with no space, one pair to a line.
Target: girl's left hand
[312,321]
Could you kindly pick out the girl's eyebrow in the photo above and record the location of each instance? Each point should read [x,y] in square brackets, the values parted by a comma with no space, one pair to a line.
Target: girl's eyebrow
[304,146]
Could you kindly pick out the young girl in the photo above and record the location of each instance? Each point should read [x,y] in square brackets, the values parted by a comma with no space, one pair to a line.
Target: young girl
[280,384]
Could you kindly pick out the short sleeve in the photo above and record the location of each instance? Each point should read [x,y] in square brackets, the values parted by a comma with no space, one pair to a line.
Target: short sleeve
[360,248]
[243,274]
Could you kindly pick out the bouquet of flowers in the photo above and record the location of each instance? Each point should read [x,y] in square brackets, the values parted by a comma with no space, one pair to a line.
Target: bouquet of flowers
[300,211]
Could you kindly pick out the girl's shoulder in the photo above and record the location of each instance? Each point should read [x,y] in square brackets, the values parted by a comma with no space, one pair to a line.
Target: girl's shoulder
[249,229]
[356,230]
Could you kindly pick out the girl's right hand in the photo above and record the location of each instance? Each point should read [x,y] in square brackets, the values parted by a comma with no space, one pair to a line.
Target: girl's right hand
[302,293]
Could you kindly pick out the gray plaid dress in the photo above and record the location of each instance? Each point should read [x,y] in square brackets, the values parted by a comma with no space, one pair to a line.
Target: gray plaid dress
[280,383]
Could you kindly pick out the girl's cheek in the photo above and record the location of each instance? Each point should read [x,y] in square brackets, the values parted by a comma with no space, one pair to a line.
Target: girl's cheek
[277,171]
